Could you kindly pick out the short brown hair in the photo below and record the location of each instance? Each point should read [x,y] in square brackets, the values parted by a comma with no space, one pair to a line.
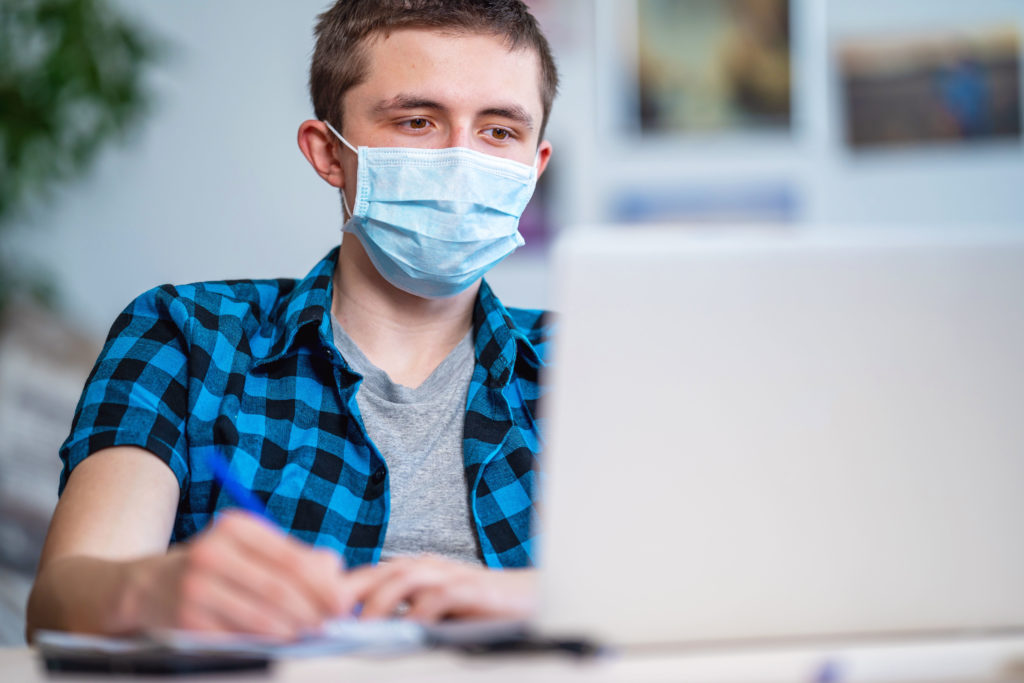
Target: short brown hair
[339,59]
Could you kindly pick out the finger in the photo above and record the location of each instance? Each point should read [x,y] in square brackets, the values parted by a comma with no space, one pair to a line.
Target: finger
[264,585]
[208,600]
[320,574]
[199,618]
[430,605]
[327,567]
[366,580]
[318,571]
[400,586]
[363,580]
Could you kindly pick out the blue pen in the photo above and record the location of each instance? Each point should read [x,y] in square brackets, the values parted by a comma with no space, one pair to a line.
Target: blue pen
[242,496]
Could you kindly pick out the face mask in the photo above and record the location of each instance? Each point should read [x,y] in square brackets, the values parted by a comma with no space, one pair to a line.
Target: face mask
[433,221]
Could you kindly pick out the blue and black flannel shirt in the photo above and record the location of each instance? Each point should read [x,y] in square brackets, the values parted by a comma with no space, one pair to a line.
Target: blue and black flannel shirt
[249,368]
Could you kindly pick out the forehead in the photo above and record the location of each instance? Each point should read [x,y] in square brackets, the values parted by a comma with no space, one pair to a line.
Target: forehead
[474,70]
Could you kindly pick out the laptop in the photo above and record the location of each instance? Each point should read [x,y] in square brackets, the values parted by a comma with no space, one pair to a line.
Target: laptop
[776,434]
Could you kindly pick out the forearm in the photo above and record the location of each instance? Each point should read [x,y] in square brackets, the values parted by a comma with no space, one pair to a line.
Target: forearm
[84,594]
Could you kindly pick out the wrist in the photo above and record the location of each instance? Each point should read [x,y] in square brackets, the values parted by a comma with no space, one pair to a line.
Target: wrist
[133,580]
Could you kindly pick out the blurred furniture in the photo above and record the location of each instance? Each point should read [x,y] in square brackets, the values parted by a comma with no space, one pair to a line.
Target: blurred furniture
[43,365]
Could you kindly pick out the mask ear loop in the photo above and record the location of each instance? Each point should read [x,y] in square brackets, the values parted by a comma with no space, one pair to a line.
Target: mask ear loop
[344,200]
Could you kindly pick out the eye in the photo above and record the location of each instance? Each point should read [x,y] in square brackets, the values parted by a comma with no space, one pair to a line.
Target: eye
[418,124]
[500,134]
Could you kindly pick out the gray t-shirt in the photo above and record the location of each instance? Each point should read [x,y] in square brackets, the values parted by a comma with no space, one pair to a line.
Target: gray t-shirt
[419,434]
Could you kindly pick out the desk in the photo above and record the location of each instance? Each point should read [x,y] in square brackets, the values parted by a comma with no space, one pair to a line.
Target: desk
[976,659]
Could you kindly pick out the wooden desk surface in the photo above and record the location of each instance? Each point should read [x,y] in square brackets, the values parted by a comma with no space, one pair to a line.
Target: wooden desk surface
[988,659]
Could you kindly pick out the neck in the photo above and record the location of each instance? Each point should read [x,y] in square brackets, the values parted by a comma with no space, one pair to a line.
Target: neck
[405,335]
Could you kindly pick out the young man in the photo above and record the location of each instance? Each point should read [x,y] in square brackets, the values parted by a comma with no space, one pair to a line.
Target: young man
[383,407]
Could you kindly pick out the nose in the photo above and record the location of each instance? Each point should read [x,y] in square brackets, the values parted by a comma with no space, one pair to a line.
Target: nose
[460,136]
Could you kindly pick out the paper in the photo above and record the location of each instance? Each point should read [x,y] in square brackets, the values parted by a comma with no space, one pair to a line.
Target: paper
[339,636]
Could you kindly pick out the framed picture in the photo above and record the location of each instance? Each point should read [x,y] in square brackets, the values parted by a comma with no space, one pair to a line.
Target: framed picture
[957,87]
[703,66]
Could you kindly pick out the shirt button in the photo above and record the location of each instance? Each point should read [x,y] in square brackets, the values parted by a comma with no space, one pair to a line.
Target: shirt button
[379,475]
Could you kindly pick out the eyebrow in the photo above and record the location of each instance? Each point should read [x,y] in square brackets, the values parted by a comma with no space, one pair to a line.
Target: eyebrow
[512,112]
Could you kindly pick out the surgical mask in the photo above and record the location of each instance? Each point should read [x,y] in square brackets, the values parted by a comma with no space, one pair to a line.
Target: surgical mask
[433,221]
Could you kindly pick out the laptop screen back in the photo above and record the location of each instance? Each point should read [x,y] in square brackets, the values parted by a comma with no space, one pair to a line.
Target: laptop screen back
[760,436]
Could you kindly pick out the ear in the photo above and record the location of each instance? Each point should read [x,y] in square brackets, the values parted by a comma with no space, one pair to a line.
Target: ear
[320,148]
[543,156]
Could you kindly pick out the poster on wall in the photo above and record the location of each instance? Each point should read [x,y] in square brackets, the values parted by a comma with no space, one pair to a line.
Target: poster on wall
[955,87]
[712,66]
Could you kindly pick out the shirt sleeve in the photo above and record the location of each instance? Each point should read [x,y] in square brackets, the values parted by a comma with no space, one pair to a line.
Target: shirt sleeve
[137,393]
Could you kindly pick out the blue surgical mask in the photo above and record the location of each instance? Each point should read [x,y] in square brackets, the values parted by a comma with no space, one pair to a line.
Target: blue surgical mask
[433,221]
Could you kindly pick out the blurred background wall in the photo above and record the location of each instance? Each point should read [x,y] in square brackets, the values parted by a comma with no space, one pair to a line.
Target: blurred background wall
[212,185]
[820,112]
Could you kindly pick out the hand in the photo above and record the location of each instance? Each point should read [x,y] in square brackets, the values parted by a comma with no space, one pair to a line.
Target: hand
[435,588]
[239,575]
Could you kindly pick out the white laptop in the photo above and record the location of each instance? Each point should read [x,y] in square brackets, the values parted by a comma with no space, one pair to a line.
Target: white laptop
[769,435]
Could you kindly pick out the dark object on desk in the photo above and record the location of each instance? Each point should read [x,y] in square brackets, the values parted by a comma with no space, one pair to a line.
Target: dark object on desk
[498,636]
[532,645]
[156,662]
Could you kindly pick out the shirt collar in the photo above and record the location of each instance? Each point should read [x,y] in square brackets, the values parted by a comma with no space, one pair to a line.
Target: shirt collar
[499,339]
[303,311]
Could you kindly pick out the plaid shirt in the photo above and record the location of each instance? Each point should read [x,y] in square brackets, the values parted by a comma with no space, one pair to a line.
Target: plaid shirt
[249,369]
